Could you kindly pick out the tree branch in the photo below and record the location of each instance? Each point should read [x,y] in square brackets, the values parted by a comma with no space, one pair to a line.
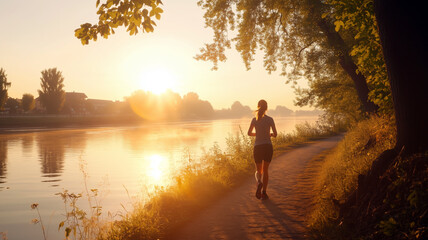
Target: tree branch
[301,50]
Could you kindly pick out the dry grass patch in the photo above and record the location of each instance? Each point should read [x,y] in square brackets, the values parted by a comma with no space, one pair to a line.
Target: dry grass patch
[338,177]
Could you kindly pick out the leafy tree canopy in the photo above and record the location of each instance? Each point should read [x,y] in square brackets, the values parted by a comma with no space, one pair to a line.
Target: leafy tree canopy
[284,31]
[131,14]
[308,39]
[4,85]
[52,94]
[358,18]
[28,103]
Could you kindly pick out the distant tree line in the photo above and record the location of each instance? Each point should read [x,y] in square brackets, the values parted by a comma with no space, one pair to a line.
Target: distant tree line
[51,95]
[171,106]
[53,99]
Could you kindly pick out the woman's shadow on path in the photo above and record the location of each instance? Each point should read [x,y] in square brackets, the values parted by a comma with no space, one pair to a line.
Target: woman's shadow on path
[289,225]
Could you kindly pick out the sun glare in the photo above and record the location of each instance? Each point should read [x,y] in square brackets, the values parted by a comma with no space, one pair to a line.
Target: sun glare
[157,80]
[155,167]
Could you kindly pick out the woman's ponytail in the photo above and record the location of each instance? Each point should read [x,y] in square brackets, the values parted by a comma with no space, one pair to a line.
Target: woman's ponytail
[261,109]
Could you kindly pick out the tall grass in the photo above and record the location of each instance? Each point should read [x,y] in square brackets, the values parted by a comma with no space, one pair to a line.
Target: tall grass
[338,177]
[303,133]
[80,222]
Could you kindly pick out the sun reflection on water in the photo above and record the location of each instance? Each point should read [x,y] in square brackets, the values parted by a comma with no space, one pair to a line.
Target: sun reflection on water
[158,170]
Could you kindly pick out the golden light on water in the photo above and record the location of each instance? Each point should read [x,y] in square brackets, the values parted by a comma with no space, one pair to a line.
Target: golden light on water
[158,170]
[157,80]
[155,166]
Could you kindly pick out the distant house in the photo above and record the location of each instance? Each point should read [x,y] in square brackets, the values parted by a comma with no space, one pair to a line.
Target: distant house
[98,105]
[78,103]
[38,107]
[75,102]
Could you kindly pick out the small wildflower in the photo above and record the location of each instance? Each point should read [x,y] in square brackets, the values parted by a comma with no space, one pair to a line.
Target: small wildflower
[35,221]
[34,205]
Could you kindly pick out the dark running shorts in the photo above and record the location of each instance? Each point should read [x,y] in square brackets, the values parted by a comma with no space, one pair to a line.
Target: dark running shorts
[263,152]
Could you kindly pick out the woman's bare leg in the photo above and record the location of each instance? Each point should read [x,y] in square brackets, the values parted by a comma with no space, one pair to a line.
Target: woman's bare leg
[259,171]
[265,175]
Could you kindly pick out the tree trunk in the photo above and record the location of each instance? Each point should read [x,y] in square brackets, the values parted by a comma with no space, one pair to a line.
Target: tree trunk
[403,33]
[337,43]
[346,62]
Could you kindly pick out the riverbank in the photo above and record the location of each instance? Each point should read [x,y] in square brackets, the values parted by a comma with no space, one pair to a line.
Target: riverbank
[31,123]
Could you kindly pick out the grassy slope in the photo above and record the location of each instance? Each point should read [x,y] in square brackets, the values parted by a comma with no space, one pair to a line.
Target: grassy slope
[404,188]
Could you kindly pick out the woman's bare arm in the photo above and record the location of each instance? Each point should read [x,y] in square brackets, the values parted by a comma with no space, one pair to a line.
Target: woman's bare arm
[250,130]
[274,134]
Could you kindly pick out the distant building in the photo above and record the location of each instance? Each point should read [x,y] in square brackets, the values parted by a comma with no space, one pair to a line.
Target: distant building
[98,105]
[75,102]
[38,106]
[78,103]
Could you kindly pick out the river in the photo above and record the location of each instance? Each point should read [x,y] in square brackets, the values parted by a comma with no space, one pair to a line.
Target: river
[123,163]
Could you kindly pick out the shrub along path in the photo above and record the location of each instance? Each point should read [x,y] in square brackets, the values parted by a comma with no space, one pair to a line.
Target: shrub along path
[239,215]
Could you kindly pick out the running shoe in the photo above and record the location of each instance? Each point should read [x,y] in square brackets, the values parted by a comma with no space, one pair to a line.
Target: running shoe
[264,196]
[259,190]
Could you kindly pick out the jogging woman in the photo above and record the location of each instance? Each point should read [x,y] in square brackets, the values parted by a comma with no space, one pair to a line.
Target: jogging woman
[263,149]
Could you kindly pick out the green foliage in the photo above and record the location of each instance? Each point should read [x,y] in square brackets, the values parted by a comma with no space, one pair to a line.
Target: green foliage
[131,14]
[357,19]
[406,203]
[338,178]
[285,31]
[28,103]
[4,84]
[388,227]
[80,223]
[52,95]
[336,96]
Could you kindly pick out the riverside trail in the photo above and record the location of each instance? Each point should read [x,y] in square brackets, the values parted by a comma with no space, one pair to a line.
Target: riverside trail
[239,215]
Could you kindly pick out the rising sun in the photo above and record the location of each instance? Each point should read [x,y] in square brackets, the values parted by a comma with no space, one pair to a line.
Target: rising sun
[157,80]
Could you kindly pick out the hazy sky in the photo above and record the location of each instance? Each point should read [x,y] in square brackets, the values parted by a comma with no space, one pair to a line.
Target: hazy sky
[39,34]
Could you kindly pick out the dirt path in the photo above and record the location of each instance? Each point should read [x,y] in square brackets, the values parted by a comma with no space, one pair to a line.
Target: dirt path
[239,215]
